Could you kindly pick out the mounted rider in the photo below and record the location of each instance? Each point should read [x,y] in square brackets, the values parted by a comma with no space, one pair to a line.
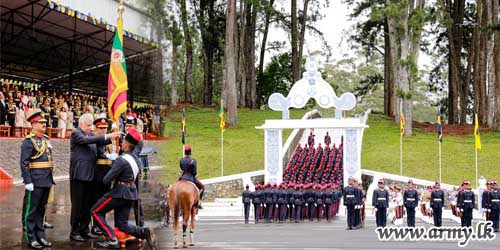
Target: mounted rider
[189,171]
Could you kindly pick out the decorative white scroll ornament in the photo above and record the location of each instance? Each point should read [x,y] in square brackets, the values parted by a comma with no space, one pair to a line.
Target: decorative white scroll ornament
[311,85]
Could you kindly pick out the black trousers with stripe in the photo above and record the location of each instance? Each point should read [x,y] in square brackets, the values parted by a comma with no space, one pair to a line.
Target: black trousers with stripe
[34,218]
[121,209]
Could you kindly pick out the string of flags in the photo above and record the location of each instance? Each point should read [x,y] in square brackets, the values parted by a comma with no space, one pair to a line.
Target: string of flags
[29,85]
[56,5]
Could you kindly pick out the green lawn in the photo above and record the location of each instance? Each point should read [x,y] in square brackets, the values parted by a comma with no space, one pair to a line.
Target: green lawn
[244,147]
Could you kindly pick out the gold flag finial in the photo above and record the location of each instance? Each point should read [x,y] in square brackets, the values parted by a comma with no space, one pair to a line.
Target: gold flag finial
[121,8]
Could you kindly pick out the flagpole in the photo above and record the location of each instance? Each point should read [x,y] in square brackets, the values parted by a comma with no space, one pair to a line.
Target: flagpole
[221,153]
[440,164]
[400,154]
[476,167]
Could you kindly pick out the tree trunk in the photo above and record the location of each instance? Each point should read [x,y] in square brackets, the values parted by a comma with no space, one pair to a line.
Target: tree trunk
[263,50]
[242,54]
[303,23]
[189,53]
[393,61]
[206,10]
[490,68]
[230,71]
[173,90]
[496,62]
[482,114]
[295,52]
[252,83]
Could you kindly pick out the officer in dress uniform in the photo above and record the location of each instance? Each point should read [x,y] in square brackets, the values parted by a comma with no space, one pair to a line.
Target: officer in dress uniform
[189,171]
[350,202]
[357,208]
[320,197]
[310,139]
[328,139]
[495,204]
[329,197]
[485,201]
[466,203]
[380,202]
[246,198]
[256,202]
[274,213]
[105,157]
[298,202]
[122,196]
[36,168]
[410,200]
[290,201]
[437,201]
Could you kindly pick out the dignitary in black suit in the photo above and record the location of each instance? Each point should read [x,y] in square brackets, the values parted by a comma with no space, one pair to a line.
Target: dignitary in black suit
[83,158]
[122,196]
[36,168]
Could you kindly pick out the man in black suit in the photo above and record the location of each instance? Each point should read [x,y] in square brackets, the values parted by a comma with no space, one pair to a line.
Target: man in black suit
[3,109]
[83,158]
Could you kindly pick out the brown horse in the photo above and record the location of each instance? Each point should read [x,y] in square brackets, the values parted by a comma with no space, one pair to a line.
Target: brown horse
[183,200]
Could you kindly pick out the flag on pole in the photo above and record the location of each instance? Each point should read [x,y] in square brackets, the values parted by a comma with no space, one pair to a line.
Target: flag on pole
[117,79]
[402,124]
[221,115]
[183,126]
[439,128]
[476,133]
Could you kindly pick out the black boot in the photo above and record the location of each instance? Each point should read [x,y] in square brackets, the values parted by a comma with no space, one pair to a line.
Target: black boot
[202,191]
[150,238]
[111,244]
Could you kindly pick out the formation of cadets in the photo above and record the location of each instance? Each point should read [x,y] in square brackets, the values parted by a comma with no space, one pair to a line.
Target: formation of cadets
[293,202]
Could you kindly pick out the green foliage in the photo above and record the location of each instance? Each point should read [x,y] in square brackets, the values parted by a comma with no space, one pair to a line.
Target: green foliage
[277,76]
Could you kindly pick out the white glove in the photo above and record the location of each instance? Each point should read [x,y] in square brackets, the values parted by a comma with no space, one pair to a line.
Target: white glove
[265,205]
[306,204]
[288,206]
[461,210]
[29,187]
[376,209]
[277,205]
[112,156]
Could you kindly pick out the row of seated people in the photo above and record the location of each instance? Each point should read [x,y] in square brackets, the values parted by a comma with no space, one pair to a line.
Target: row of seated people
[314,165]
[292,202]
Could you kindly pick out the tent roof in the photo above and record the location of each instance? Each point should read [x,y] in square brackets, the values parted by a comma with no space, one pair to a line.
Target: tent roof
[47,46]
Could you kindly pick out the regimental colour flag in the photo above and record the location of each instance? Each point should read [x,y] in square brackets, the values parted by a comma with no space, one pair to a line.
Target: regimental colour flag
[117,79]
[183,126]
[439,128]
[402,124]
[221,115]
[476,133]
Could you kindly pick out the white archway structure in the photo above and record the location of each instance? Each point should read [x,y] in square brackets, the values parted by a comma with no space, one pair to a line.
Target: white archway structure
[312,86]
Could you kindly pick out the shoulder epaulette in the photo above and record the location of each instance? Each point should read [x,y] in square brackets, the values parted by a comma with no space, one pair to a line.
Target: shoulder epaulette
[46,136]
[30,135]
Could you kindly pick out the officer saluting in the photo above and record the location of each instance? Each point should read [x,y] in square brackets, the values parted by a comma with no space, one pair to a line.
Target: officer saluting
[410,200]
[246,197]
[36,169]
[122,196]
[380,202]
[437,200]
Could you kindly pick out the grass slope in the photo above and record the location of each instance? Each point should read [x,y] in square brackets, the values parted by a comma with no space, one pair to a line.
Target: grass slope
[244,147]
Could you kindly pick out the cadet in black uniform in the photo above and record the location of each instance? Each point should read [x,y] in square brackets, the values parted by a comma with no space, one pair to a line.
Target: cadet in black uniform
[105,158]
[298,202]
[359,201]
[466,203]
[36,169]
[329,197]
[320,197]
[410,201]
[246,198]
[310,139]
[290,201]
[380,202]
[495,204]
[256,202]
[309,196]
[350,202]
[282,203]
[274,211]
[328,139]
[437,201]
[122,196]
[485,201]
[268,192]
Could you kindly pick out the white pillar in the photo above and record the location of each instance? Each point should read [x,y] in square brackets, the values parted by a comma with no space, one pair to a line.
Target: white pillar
[273,159]
[352,154]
